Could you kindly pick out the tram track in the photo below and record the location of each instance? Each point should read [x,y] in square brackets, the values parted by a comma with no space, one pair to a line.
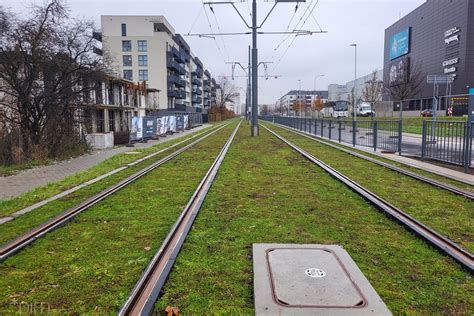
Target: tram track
[12,247]
[146,291]
[443,244]
[32,207]
[455,190]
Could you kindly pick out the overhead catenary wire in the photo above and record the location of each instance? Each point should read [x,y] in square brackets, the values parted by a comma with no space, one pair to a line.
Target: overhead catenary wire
[294,38]
[212,32]
[219,30]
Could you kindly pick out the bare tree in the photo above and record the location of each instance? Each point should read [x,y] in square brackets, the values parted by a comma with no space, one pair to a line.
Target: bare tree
[403,82]
[226,94]
[47,66]
[372,91]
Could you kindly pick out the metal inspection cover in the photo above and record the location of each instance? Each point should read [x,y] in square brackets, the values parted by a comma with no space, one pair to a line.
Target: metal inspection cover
[311,279]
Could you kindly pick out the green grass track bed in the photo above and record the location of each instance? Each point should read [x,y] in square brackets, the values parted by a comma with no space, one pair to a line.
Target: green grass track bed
[266,193]
[446,212]
[9,206]
[22,224]
[91,264]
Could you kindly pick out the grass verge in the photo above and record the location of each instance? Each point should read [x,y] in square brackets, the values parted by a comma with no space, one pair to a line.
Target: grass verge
[266,193]
[449,214]
[22,224]
[422,172]
[91,264]
[9,206]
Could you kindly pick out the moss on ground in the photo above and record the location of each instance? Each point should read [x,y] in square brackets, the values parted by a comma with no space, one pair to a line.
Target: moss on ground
[449,214]
[266,193]
[91,264]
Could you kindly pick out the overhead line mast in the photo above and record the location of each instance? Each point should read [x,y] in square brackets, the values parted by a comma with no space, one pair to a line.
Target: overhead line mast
[254,27]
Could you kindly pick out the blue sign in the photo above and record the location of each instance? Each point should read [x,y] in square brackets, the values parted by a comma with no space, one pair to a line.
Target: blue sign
[400,44]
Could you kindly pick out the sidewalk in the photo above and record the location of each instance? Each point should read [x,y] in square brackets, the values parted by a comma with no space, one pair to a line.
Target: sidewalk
[30,179]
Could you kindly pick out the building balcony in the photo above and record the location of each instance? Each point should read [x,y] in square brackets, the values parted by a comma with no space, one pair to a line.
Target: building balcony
[175,66]
[196,81]
[177,55]
[173,79]
[196,99]
[197,91]
[198,73]
[178,94]
[207,88]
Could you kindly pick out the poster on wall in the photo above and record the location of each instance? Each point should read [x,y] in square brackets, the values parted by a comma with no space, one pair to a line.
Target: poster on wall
[149,127]
[136,131]
[166,124]
[172,120]
[400,44]
[158,126]
[186,122]
[179,122]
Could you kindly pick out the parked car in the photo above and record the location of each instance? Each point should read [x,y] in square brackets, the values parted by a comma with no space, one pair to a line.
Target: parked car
[427,113]
[364,109]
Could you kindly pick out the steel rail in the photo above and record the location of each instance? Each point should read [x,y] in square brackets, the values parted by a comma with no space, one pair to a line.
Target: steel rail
[39,204]
[146,291]
[12,247]
[445,245]
[436,183]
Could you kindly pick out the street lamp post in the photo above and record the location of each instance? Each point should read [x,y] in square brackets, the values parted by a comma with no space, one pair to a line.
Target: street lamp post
[354,106]
[299,97]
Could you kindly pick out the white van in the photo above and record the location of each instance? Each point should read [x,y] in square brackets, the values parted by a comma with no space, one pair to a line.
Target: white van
[364,109]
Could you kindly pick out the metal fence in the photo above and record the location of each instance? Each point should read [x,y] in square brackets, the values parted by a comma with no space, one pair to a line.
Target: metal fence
[445,141]
[448,141]
[384,135]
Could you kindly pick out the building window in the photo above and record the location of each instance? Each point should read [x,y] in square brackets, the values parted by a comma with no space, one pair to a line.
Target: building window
[142,45]
[124,29]
[142,75]
[99,116]
[126,46]
[128,74]
[127,60]
[142,60]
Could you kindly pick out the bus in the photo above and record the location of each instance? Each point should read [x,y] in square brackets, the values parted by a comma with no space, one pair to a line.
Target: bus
[336,109]
[341,109]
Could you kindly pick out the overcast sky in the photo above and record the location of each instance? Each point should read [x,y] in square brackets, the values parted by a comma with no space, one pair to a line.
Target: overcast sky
[346,21]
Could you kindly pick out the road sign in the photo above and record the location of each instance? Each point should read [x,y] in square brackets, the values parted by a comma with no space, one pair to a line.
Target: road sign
[439,79]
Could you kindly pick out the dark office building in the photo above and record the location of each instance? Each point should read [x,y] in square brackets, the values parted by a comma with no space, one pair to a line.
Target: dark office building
[437,38]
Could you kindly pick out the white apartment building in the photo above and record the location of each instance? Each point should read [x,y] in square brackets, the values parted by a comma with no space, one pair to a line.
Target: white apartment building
[147,48]
[287,101]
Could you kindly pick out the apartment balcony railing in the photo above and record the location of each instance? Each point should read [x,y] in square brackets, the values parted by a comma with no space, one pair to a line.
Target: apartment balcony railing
[178,94]
[197,91]
[173,65]
[207,88]
[198,73]
[173,79]
[196,81]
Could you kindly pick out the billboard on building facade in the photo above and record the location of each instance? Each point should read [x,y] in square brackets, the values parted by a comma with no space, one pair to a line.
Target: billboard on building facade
[399,72]
[400,44]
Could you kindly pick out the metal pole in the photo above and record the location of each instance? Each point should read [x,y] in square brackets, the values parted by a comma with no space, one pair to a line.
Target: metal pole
[354,106]
[254,130]
[249,87]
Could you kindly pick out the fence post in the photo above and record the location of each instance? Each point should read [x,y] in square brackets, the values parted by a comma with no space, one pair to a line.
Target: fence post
[375,134]
[354,126]
[330,128]
[423,141]
[322,126]
[467,146]
[340,131]
[400,135]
